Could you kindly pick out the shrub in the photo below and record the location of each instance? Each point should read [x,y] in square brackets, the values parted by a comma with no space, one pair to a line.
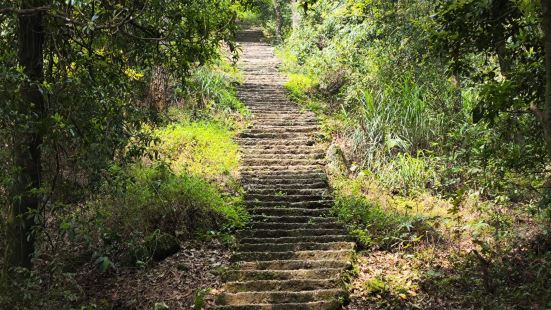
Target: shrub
[375,226]
[204,149]
[145,210]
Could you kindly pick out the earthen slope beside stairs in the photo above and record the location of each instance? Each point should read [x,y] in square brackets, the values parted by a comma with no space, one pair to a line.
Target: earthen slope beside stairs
[293,254]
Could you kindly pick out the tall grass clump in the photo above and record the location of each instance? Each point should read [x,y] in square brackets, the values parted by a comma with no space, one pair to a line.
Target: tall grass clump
[385,104]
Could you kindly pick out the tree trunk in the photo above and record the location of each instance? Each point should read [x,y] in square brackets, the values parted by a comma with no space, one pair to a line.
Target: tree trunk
[544,115]
[499,7]
[295,14]
[27,139]
[278,19]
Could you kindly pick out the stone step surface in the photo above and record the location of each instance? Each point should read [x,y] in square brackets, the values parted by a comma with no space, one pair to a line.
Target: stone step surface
[293,253]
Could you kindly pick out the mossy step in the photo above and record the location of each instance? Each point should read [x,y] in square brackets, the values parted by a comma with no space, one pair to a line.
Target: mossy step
[255,87]
[270,175]
[282,129]
[274,233]
[292,152]
[273,155]
[282,182]
[251,198]
[292,219]
[299,246]
[270,135]
[301,116]
[320,185]
[326,238]
[271,104]
[289,191]
[260,126]
[266,101]
[281,149]
[249,275]
[306,141]
[244,298]
[276,109]
[300,181]
[273,151]
[267,225]
[292,172]
[294,127]
[287,173]
[288,211]
[314,204]
[290,122]
[317,305]
[286,111]
[290,168]
[345,255]
[258,118]
[248,162]
[281,285]
[293,264]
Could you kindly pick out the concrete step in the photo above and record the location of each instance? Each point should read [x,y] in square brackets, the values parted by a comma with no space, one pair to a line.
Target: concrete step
[345,255]
[288,198]
[326,238]
[247,162]
[249,275]
[244,298]
[282,285]
[293,264]
[289,191]
[308,225]
[286,188]
[288,211]
[317,305]
[292,219]
[275,233]
[282,203]
[300,246]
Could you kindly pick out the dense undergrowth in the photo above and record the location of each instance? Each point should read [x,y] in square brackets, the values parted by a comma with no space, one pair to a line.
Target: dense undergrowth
[452,199]
[182,188]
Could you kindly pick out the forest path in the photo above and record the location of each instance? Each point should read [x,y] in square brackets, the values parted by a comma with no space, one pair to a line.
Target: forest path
[293,254]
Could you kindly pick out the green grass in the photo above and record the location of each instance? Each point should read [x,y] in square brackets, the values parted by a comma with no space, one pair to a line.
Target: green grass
[147,208]
[393,226]
[202,148]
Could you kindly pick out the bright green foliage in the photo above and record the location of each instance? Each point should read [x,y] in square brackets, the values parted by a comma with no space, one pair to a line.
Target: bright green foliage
[211,88]
[375,226]
[111,70]
[432,104]
[508,35]
[200,148]
[145,203]
[370,70]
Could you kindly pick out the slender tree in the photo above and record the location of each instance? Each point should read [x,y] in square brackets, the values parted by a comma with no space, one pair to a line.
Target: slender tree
[544,114]
[278,19]
[27,139]
[295,14]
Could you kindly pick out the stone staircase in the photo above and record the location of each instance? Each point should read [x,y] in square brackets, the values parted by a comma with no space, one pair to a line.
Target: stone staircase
[293,254]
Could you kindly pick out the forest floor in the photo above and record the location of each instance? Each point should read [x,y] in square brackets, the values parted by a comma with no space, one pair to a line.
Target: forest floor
[179,282]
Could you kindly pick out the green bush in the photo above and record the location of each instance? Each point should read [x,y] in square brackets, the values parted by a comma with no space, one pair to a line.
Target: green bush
[145,210]
[377,227]
[203,149]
